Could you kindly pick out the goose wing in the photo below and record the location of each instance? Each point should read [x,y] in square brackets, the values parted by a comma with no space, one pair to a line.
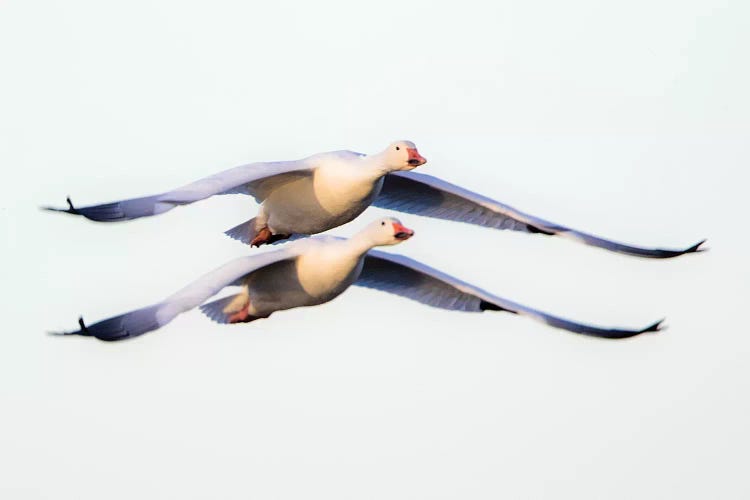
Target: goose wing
[411,279]
[140,321]
[422,194]
[256,179]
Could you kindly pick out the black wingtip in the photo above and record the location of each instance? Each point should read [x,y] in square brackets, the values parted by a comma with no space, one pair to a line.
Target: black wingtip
[489,306]
[53,209]
[70,210]
[697,247]
[656,327]
[83,330]
[668,254]
[536,230]
[60,334]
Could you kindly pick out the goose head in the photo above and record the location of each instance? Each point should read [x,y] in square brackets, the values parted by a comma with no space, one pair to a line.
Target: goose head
[403,155]
[388,231]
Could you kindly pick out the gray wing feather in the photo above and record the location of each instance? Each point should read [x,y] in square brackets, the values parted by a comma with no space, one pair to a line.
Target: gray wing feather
[422,194]
[215,310]
[411,279]
[402,276]
[254,179]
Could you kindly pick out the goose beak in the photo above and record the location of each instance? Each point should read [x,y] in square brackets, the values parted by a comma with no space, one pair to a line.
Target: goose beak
[401,232]
[415,159]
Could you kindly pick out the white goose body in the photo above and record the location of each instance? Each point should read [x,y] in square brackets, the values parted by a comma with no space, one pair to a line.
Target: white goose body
[341,186]
[326,268]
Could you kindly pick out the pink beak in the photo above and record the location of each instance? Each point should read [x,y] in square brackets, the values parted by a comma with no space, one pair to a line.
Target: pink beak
[402,232]
[415,159]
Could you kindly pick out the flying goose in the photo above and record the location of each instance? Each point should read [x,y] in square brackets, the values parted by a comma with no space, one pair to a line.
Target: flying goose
[315,270]
[323,191]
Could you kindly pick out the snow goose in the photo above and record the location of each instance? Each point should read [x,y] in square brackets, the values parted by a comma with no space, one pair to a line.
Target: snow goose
[316,270]
[326,190]
[300,197]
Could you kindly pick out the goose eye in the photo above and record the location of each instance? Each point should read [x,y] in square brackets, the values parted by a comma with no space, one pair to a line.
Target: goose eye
[382,223]
[398,148]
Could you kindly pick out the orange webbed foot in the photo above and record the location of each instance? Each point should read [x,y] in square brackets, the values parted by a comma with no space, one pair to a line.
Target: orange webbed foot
[263,237]
[266,237]
[240,316]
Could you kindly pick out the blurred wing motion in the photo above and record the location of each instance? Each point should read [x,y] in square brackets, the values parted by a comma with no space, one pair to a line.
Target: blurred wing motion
[411,279]
[150,318]
[422,194]
[256,179]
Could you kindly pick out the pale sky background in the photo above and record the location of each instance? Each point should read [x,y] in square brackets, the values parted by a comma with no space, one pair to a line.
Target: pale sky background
[626,119]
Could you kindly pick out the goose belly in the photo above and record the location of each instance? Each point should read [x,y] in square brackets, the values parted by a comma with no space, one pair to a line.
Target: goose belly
[306,281]
[326,275]
[317,204]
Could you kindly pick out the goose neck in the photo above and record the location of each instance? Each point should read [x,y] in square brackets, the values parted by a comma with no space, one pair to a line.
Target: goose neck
[377,164]
[360,243]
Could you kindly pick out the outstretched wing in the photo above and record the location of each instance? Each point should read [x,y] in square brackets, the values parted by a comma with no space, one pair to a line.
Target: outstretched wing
[411,279]
[422,194]
[256,179]
[150,318]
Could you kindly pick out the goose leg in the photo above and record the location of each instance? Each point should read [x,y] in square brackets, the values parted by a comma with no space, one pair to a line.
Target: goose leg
[262,237]
[266,237]
[243,314]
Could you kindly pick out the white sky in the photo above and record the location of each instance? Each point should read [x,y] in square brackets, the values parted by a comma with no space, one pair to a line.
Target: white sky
[627,119]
